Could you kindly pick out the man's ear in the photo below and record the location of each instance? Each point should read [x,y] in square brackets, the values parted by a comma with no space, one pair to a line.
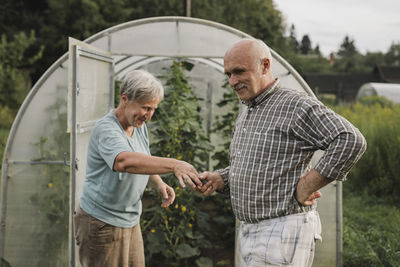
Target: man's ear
[266,65]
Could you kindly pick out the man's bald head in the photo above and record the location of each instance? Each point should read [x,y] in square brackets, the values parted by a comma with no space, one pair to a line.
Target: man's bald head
[253,49]
[247,63]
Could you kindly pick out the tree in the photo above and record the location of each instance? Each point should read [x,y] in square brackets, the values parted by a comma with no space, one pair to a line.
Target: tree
[258,18]
[305,46]
[371,59]
[347,48]
[350,60]
[54,20]
[316,50]
[15,68]
[392,57]
[293,39]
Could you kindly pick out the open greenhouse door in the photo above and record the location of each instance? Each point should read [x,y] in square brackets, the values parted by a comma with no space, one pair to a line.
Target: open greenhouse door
[90,97]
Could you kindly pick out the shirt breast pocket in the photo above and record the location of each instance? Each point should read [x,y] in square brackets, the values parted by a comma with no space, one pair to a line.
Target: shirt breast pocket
[250,146]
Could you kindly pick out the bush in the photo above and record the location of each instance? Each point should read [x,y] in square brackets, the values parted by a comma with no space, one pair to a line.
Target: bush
[53,200]
[376,100]
[174,236]
[371,232]
[14,64]
[378,171]
[3,141]
[6,117]
[371,194]
[225,124]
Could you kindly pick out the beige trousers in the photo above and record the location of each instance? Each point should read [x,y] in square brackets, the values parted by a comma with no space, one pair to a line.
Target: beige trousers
[283,241]
[101,244]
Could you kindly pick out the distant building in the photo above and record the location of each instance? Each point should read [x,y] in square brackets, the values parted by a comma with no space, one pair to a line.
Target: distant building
[387,74]
[391,91]
[345,86]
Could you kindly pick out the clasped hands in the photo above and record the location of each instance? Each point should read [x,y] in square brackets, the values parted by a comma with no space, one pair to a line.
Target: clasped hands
[209,182]
[206,182]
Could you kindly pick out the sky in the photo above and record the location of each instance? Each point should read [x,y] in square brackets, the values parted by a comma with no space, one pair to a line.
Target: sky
[373,24]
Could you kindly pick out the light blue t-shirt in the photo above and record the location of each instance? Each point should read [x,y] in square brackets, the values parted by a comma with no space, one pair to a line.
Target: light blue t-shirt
[109,196]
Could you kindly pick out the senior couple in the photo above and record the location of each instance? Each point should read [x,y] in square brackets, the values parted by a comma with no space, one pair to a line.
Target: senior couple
[273,189]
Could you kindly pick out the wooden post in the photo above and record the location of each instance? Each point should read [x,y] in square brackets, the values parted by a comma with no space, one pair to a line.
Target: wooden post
[188,7]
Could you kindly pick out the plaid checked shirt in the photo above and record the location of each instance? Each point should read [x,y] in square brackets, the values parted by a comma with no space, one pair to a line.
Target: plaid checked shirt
[274,139]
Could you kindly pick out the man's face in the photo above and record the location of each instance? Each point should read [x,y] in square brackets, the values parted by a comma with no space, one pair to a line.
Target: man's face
[244,72]
[139,111]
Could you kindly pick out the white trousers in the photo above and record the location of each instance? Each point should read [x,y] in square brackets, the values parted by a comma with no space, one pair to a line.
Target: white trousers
[283,241]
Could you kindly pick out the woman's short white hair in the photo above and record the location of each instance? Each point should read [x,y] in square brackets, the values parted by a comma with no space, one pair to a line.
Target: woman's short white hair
[141,85]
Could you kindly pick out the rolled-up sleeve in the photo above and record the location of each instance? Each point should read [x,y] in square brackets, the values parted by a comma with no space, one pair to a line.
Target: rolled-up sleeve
[341,155]
[225,176]
[342,143]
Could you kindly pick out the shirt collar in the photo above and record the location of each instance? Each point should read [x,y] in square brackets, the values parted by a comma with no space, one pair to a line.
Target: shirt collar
[261,97]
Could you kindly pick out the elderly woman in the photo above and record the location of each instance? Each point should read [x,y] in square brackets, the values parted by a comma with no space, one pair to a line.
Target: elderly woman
[119,165]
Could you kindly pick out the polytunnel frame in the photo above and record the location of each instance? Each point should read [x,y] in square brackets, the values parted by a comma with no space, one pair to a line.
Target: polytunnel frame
[149,57]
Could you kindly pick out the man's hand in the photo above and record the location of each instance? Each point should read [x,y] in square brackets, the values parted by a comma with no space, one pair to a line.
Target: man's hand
[308,186]
[214,182]
[186,172]
[308,200]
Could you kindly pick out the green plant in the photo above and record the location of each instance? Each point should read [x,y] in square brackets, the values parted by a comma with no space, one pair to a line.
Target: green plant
[14,63]
[3,141]
[224,125]
[53,200]
[6,117]
[371,193]
[378,171]
[174,236]
[4,263]
[377,100]
[371,232]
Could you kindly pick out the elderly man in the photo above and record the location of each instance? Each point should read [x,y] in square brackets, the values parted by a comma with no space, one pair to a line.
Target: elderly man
[273,189]
[119,165]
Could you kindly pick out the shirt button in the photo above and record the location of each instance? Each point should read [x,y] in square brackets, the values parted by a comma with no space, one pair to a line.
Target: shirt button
[244,129]
[238,152]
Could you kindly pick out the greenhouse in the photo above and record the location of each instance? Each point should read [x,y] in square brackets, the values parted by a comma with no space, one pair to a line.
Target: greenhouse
[46,147]
[390,91]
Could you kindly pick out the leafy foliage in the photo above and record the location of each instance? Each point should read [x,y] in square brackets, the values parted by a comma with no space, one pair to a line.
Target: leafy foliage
[14,71]
[81,19]
[178,131]
[6,117]
[3,141]
[305,46]
[13,68]
[224,125]
[371,231]
[392,57]
[260,19]
[347,59]
[347,48]
[53,199]
[292,39]
[378,171]
[174,236]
